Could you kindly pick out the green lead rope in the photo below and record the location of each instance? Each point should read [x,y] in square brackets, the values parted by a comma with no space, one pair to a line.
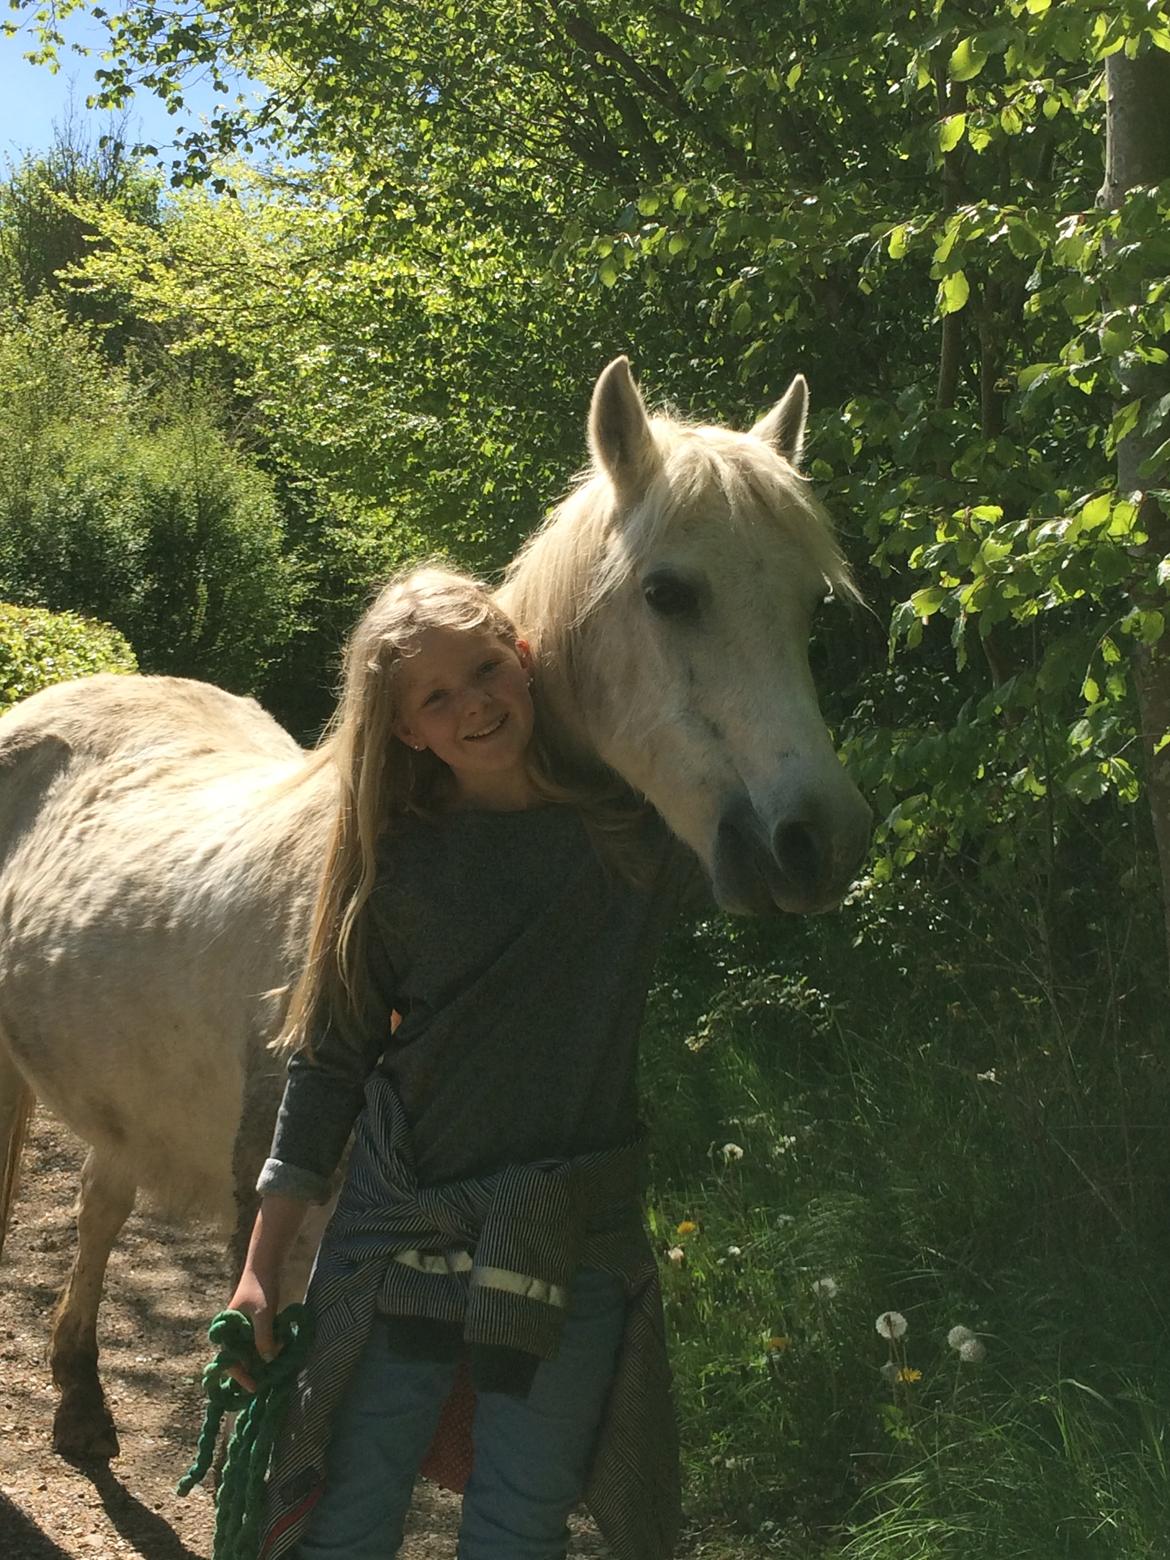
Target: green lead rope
[240,1500]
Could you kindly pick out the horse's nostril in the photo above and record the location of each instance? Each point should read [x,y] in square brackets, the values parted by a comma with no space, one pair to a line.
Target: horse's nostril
[798,853]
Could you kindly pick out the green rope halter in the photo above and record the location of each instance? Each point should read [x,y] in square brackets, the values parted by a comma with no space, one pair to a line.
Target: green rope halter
[239,1500]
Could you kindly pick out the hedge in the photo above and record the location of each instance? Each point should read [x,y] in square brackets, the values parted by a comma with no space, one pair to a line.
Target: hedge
[38,648]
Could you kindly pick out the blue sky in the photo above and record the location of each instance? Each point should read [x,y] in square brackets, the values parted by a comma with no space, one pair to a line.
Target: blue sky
[32,99]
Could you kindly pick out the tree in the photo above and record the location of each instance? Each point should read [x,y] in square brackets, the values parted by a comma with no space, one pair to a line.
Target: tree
[43,233]
[492,199]
[1137,163]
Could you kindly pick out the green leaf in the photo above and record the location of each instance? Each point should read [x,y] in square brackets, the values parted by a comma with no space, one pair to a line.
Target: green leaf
[1156,416]
[1153,463]
[1095,513]
[1125,422]
[953,292]
[794,75]
[1151,626]
[1122,518]
[950,132]
[1033,372]
[896,245]
[742,318]
[1087,782]
[967,60]
[927,601]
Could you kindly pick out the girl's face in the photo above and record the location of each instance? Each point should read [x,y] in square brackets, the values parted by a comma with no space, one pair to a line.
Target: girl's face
[465,695]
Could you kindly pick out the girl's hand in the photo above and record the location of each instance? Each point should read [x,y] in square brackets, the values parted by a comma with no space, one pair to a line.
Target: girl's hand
[257,1297]
[258,1291]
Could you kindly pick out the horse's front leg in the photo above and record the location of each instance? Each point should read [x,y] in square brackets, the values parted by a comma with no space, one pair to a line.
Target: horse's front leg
[83,1425]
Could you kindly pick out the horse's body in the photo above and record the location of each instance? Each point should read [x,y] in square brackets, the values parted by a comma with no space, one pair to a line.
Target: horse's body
[160,839]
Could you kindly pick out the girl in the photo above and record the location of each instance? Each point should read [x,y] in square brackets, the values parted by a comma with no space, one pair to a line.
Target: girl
[489,1228]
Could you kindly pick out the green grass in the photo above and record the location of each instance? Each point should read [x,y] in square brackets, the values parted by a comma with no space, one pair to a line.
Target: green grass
[942,1134]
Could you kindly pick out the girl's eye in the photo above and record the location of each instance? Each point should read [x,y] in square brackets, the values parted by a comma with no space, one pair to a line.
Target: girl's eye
[434,697]
[488,666]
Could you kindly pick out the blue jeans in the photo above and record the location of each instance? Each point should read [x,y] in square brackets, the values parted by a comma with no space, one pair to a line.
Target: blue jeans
[531,1459]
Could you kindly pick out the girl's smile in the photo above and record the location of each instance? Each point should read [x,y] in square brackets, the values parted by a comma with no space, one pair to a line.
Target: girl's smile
[465,695]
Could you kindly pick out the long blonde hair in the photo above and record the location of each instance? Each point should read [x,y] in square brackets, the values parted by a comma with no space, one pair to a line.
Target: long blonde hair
[381,778]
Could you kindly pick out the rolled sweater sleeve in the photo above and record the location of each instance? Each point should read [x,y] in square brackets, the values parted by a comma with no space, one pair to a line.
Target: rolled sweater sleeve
[326,1088]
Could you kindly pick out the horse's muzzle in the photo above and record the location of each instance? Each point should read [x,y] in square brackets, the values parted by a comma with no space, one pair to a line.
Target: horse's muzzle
[803,861]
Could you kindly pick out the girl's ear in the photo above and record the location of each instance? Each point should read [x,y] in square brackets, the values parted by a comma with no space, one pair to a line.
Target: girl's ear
[404,734]
[524,651]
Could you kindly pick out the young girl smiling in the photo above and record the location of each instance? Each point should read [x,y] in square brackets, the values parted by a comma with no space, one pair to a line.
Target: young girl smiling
[489,1225]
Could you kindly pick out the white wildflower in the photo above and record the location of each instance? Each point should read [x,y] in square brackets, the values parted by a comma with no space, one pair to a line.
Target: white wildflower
[972,1352]
[783,1144]
[731,1151]
[677,1255]
[859,889]
[734,1251]
[891,1324]
[825,1289]
[987,1077]
[958,1336]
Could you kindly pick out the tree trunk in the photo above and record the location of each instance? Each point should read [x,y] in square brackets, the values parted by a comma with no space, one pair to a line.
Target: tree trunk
[1137,152]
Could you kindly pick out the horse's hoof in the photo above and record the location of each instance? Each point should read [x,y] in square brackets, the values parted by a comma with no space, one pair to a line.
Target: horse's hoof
[85,1433]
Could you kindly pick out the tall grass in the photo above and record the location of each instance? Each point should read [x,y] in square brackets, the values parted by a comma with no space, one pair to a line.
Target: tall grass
[913,1106]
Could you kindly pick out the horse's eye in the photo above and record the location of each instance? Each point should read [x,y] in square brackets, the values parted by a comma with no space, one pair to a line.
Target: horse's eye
[670,596]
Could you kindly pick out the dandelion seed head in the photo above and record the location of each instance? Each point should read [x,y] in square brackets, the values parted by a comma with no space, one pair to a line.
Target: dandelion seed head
[825,1288]
[734,1251]
[958,1336]
[972,1352]
[731,1152]
[677,1256]
[891,1324]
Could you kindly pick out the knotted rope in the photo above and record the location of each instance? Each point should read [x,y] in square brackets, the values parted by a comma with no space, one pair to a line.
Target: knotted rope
[239,1500]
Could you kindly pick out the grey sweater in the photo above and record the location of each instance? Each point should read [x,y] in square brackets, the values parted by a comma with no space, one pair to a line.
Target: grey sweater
[519,963]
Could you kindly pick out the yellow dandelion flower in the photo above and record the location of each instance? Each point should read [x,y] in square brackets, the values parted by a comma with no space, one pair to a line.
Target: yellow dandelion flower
[908,1373]
[687,1227]
[777,1344]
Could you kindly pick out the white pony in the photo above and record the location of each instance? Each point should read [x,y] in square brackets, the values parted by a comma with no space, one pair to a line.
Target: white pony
[160,839]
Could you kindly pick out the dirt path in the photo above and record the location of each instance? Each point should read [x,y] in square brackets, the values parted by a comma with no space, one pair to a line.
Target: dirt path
[163,1286]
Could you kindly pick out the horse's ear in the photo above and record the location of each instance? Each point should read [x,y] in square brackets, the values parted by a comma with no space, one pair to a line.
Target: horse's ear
[783,426]
[619,431]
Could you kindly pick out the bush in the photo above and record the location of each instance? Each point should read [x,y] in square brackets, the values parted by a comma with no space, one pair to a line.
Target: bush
[39,648]
[145,517]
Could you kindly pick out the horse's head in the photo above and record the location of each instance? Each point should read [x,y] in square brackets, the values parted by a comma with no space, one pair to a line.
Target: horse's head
[699,557]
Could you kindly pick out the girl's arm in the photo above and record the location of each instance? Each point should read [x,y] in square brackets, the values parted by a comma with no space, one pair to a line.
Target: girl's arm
[258,1291]
[326,1083]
